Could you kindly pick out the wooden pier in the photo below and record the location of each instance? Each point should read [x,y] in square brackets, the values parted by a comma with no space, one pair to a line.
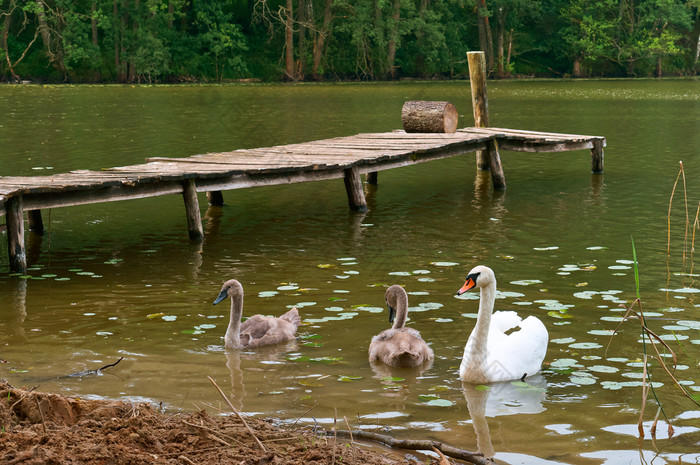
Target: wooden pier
[342,157]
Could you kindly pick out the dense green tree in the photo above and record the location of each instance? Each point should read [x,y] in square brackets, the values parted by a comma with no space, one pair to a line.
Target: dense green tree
[216,40]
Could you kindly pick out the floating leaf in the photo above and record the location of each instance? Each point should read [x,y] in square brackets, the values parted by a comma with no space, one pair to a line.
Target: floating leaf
[427,397]
[393,378]
[482,387]
[310,383]
[440,403]
[444,263]
[346,378]
[155,315]
[169,317]
[325,266]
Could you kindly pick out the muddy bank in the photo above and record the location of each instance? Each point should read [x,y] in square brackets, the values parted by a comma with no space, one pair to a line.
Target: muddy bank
[43,428]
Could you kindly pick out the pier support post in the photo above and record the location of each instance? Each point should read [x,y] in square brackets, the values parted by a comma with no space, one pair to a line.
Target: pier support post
[36,224]
[353,186]
[194,216]
[494,159]
[371,178]
[14,219]
[597,157]
[216,198]
[480,102]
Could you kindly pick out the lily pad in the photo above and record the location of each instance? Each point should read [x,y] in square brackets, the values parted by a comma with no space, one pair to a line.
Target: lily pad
[440,403]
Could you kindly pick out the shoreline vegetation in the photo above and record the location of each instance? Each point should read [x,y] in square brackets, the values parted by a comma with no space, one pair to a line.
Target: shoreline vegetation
[183,41]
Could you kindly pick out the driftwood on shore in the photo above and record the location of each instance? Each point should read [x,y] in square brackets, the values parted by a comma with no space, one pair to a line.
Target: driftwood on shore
[416,444]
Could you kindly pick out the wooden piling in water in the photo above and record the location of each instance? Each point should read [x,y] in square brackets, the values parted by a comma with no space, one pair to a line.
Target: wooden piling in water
[194,216]
[216,198]
[488,159]
[480,103]
[36,224]
[14,218]
[353,186]
[597,156]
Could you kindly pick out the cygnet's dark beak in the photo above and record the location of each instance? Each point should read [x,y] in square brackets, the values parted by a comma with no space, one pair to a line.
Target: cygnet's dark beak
[222,295]
[392,313]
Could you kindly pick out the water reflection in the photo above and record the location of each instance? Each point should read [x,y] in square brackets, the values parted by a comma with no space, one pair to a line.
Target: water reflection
[267,361]
[500,399]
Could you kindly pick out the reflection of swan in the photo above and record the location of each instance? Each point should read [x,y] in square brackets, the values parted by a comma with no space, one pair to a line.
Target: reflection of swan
[491,355]
[399,346]
[267,362]
[233,363]
[257,330]
[501,399]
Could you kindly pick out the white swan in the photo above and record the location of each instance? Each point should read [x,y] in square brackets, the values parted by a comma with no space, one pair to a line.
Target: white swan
[399,346]
[491,355]
[257,330]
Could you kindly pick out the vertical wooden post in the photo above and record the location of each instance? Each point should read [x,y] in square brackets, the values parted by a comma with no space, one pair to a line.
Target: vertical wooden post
[480,103]
[194,217]
[36,224]
[14,219]
[353,186]
[371,178]
[216,198]
[494,159]
[597,157]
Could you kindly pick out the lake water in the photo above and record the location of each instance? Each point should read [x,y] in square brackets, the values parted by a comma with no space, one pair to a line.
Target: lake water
[122,280]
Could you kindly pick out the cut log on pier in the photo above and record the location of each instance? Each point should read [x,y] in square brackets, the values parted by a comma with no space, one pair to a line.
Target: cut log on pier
[429,116]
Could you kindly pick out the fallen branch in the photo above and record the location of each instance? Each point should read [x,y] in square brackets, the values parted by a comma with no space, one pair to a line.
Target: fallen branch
[250,430]
[417,444]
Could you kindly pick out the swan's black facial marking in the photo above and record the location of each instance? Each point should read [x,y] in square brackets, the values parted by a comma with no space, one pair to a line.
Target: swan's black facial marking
[474,276]
[470,283]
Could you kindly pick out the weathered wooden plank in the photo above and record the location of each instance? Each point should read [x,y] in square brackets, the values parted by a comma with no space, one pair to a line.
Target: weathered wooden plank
[543,147]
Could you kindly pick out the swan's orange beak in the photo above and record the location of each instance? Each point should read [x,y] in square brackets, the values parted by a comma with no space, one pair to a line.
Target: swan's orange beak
[469,284]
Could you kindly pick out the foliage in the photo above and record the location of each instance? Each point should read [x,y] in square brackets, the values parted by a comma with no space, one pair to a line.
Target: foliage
[184,40]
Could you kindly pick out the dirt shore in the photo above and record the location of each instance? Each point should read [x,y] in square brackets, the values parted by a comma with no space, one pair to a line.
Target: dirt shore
[44,428]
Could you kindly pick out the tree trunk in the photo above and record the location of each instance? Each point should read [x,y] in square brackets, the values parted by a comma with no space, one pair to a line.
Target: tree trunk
[577,66]
[485,41]
[301,41]
[510,50]
[394,33]
[55,57]
[321,38]
[289,42]
[658,67]
[500,70]
[134,29]
[95,38]
[7,23]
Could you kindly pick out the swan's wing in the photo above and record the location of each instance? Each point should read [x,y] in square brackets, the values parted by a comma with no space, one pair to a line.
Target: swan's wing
[400,347]
[260,330]
[255,327]
[503,321]
[292,316]
[520,352]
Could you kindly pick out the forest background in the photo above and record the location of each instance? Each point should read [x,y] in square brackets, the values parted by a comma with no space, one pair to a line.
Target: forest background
[273,40]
